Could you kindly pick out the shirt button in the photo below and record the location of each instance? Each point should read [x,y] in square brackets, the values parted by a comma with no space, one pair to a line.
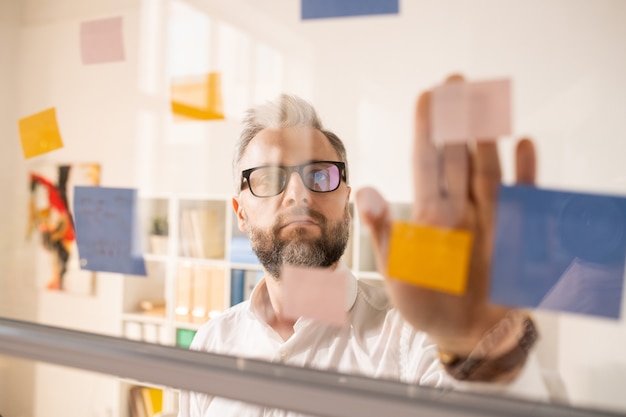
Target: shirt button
[283,355]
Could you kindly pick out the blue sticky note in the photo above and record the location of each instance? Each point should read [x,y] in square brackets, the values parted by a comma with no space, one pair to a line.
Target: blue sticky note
[559,251]
[321,9]
[107,233]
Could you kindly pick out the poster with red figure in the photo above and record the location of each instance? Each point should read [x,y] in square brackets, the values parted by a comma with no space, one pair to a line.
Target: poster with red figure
[51,222]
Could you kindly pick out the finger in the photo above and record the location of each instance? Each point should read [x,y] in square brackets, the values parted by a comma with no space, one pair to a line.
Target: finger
[456,163]
[454,78]
[376,215]
[455,160]
[525,162]
[425,163]
[486,175]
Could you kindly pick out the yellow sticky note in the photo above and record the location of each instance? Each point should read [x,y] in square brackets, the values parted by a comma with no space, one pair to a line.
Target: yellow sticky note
[39,133]
[430,257]
[198,99]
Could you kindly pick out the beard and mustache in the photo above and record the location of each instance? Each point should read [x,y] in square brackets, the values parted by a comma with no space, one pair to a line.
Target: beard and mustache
[299,248]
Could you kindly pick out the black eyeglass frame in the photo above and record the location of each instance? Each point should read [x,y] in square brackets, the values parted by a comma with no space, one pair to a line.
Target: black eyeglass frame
[245,176]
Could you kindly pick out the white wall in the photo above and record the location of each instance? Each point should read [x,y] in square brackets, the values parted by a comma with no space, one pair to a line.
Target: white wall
[566,59]
[97,118]
[16,376]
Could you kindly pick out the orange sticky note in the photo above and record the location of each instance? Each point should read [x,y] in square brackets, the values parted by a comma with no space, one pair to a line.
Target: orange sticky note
[198,99]
[430,257]
[315,293]
[39,133]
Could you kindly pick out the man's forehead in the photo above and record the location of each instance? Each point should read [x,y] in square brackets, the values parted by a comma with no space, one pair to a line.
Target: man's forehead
[287,146]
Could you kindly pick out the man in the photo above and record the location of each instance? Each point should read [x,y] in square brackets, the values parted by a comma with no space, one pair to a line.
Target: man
[292,182]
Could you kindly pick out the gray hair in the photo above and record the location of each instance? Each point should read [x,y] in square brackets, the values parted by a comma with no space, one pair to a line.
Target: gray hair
[285,111]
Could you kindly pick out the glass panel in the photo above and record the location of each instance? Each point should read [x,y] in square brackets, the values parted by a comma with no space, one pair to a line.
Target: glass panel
[150,95]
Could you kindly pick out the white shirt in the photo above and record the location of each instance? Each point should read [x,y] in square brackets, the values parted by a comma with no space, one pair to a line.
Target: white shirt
[376,342]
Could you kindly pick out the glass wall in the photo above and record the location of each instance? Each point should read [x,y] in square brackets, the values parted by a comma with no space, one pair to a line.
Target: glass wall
[149,95]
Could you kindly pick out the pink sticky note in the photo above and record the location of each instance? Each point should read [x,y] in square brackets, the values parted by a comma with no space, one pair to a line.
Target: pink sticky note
[102,41]
[314,293]
[471,110]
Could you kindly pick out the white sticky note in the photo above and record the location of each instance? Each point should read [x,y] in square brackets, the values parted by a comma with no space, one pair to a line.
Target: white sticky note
[315,293]
[462,111]
[102,41]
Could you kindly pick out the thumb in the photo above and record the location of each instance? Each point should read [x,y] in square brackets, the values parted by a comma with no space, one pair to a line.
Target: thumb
[376,215]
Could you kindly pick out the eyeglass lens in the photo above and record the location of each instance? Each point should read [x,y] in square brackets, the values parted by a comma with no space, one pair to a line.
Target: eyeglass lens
[318,176]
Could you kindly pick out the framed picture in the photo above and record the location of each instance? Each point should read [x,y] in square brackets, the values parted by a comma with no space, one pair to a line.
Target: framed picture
[50,219]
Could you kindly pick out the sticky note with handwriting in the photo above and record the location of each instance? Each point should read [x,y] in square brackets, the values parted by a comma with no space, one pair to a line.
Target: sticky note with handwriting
[39,133]
[102,41]
[559,250]
[462,111]
[315,293]
[107,232]
[430,257]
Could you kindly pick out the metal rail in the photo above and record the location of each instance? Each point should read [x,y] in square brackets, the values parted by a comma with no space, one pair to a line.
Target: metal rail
[275,385]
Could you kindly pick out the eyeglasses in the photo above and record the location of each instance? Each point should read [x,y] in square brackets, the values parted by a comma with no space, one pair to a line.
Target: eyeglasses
[317,176]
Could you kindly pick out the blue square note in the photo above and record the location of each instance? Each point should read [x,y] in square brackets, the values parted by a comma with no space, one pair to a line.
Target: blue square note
[321,9]
[107,233]
[559,251]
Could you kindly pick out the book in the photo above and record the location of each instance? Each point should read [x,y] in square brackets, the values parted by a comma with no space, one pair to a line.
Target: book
[145,401]
[201,233]
[241,251]
[152,400]
[184,337]
[217,302]
[133,330]
[164,335]
[208,234]
[151,333]
[201,294]
[184,291]
[237,283]
[208,293]
[242,282]
[187,244]
[251,279]
[136,402]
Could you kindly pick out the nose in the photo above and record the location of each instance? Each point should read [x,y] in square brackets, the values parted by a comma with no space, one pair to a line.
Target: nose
[295,191]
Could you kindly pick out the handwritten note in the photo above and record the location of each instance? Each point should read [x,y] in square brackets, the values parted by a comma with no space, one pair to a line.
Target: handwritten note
[430,257]
[462,111]
[320,9]
[107,232]
[314,293]
[559,251]
[39,133]
[102,41]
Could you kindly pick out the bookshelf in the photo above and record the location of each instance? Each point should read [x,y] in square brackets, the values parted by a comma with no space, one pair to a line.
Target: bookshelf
[198,264]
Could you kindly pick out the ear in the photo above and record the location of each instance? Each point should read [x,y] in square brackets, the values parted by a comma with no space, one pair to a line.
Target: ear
[348,192]
[238,208]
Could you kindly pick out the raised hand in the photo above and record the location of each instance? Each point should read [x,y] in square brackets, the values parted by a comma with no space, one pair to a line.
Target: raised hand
[455,186]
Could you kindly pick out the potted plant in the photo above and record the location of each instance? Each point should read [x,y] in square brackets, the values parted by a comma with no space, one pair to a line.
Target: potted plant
[159,235]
